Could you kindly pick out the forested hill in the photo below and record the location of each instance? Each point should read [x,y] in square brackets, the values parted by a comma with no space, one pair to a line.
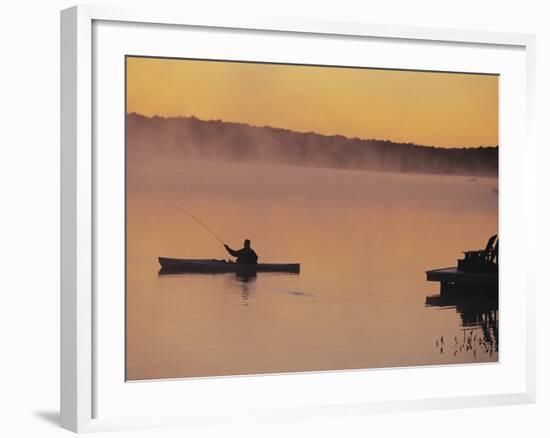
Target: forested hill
[214,139]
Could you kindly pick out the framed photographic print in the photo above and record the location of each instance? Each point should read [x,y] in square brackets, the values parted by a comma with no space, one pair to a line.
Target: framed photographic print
[282,218]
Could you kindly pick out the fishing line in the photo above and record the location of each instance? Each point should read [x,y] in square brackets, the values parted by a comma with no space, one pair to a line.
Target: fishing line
[198,220]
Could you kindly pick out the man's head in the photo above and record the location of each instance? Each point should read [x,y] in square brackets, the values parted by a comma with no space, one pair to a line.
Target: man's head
[247,243]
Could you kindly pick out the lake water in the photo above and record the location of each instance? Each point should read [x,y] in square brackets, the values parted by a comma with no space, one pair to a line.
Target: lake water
[361,300]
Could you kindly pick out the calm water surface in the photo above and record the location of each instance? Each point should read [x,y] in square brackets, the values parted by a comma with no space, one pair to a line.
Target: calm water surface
[364,240]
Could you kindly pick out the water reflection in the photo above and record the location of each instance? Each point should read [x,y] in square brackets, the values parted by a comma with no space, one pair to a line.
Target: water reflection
[343,226]
[478,310]
[245,281]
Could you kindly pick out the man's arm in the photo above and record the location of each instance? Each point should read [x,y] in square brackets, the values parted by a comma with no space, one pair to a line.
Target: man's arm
[231,251]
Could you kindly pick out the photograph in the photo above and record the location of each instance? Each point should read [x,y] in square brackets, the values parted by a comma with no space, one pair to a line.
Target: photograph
[286,218]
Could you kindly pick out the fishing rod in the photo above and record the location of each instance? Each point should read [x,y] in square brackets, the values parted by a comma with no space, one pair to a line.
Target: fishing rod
[198,220]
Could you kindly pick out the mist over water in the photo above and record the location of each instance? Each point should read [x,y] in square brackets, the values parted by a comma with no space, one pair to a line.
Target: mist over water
[189,137]
[364,239]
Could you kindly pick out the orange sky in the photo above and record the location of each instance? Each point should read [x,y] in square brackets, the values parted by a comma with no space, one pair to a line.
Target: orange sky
[424,108]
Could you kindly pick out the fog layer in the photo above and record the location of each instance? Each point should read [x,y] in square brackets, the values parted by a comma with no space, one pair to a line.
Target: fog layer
[158,137]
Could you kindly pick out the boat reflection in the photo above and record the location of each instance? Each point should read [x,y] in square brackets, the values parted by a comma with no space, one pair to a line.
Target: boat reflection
[245,281]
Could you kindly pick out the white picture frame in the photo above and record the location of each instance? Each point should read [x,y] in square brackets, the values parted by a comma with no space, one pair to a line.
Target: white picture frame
[81,373]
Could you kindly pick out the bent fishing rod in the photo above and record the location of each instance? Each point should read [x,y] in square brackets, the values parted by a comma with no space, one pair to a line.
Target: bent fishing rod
[198,220]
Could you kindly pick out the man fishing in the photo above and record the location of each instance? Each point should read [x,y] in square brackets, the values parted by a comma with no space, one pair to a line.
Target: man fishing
[246,255]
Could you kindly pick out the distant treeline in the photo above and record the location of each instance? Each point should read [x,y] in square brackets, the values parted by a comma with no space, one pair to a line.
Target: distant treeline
[214,139]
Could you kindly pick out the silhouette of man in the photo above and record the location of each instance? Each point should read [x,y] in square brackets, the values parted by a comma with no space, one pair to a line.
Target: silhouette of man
[246,255]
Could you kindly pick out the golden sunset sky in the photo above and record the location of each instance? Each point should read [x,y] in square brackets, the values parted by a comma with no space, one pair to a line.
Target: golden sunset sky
[440,109]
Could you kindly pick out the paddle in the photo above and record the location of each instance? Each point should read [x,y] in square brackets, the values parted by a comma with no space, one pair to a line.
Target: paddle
[198,220]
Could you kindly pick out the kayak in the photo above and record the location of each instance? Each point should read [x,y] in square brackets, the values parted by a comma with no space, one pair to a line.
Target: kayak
[214,266]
